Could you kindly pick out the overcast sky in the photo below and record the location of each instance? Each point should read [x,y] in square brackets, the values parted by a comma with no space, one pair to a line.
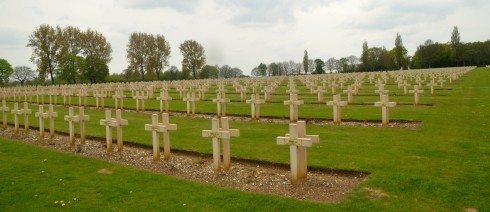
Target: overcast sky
[244,33]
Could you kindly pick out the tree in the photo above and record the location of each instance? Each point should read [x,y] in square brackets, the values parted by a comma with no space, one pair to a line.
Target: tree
[72,41]
[305,62]
[365,57]
[343,65]
[331,64]
[95,69]
[193,57]
[456,47]
[319,66]
[46,50]
[262,69]
[353,62]
[23,74]
[5,71]
[172,74]
[95,45]
[69,68]
[400,53]
[209,72]
[137,53]
[161,54]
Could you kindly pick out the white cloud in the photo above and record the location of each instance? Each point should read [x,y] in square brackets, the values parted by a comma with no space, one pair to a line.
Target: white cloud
[245,33]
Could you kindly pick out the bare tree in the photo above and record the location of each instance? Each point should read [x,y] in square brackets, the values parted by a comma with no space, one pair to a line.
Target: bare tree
[23,74]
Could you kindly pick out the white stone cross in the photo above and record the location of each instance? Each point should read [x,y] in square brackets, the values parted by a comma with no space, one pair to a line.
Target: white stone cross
[140,98]
[114,122]
[320,92]
[243,93]
[416,93]
[337,104]
[381,90]
[71,117]
[81,119]
[255,102]
[16,111]
[302,156]
[4,110]
[293,103]
[51,115]
[42,115]
[221,101]
[432,84]
[294,142]
[191,102]
[82,97]
[164,127]
[164,98]
[350,90]
[218,134]
[405,87]
[119,95]
[385,104]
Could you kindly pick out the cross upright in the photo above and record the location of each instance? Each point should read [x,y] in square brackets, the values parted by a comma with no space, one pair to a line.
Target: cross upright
[243,93]
[140,99]
[334,86]
[26,111]
[255,102]
[320,91]
[16,111]
[191,102]
[350,90]
[166,135]
[221,101]
[164,98]
[4,110]
[267,91]
[416,93]
[51,115]
[155,128]
[294,142]
[71,118]
[302,156]
[385,104]
[218,134]
[381,90]
[99,96]
[202,92]
[419,81]
[82,97]
[441,81]
[225,126]
[405,87]
[114,122]
[119,95]
[42,115]
[337,104]
[81,119]
[432,84]
[293,103]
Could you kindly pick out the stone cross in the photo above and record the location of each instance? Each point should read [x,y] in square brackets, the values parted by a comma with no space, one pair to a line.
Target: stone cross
[350,90]
[224,135]
[26,111]
[191,102]
[81,119]
[51,115]
[255,102]
[243,93]
[71,117]
[432,84]
[320,92]
[164,128]
[16,111]
[267,91]
[416,92]
[385,104]
[302,157]
[114,122]
[221,101]
[405,87]
[337,104]
[119,95]
[381,90]
[140,98]
[294,142]
[82,97]
[166,135]
[99,95]
[42,115]
[4,110]
[293,103]
[164,98]
[334,87]
[441,81]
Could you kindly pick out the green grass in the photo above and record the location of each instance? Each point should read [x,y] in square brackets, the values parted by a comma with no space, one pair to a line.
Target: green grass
[441,166]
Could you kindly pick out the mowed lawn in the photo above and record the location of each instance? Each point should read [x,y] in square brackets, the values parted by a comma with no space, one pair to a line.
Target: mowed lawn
[441,166]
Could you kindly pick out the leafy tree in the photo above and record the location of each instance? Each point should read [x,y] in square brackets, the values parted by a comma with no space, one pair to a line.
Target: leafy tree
[305,62]
[262,69]
[137,52]
[193,57]
[343,65]
[172,74]
[5,71]
[456,47]
[23,74]
[208,72]
[400,53]
[72,41]
[69,68]
[353,62]
[96,69]
[365,57]
[319,66]
[273,69]
[46,50]
[159,57]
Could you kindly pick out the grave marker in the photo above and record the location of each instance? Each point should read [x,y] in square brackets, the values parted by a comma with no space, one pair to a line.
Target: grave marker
[337,104]
[385,104]
[4,110]
[293,103]
[114,122]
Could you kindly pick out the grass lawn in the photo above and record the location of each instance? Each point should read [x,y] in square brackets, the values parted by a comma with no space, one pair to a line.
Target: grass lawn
[441,166]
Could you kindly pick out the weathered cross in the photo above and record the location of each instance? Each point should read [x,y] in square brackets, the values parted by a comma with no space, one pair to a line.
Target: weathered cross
[164,127]
[114,122]
[255,102]
[337,104]
[381,90]
[294,142]
[405,87]
[164,98]
[51,115]
[42,115]
[350,90]
[140,97]
[81,119]
[191,102]
[432,84]
[320,92]
[416,93]
[223,134]
[119,95]
[243,93]
[302,157]
[71,117]
[385,104]
[221,101]
[293,103]
[4,110]
[25,111]
[82,97]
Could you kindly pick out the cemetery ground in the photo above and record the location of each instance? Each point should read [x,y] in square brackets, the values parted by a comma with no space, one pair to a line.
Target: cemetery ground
[439,162]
